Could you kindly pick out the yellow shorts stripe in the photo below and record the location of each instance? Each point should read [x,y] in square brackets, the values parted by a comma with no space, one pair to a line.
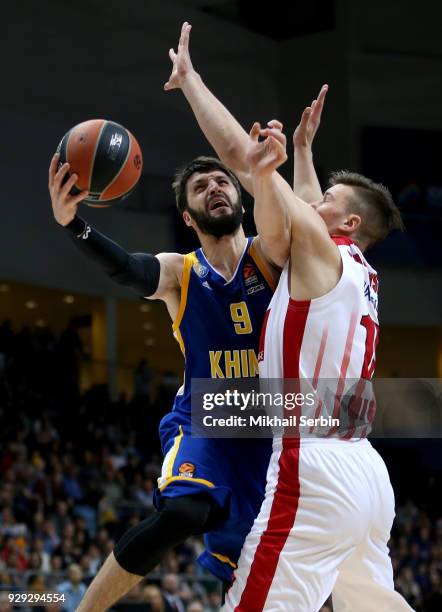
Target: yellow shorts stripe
[189,479]
[224,559]
[176,446]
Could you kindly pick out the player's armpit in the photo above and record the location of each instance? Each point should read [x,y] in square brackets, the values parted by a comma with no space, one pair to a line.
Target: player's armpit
[266,259]
[171,267]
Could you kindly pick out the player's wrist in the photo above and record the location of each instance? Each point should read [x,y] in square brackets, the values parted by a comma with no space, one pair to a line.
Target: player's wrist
[190,80]
[302,150]
[76,227]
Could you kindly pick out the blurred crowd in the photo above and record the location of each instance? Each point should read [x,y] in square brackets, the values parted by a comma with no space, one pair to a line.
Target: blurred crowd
[76,470]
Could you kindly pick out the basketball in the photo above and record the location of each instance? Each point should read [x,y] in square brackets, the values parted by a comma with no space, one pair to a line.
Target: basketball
[107,159]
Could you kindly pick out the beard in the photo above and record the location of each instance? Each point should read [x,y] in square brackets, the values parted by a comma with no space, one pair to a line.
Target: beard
[221,225]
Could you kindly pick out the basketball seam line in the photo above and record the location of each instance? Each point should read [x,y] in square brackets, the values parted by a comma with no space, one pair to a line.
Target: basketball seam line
[95,154]
[129,149]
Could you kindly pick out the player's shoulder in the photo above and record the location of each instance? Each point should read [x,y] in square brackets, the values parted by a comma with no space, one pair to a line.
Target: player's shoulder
[177,265]
[173,261]
[171,268]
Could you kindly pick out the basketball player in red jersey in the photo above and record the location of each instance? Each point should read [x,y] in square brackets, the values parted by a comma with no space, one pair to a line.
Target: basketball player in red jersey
[325,522]
[330,318]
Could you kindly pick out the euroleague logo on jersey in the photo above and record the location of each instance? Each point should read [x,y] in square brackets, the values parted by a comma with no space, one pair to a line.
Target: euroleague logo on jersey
[249,274]
[251,279]
[200,270]
[187,470]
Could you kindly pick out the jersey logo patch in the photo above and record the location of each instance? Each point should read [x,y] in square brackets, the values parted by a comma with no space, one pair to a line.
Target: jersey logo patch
[187,470]
[248,270]
[200,270]
[250,278]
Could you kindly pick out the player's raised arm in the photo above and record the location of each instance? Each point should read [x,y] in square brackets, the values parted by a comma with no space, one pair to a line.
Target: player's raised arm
[270,210]
[156,277]
[312,250]
[221,129]
[230,141]
[305,181]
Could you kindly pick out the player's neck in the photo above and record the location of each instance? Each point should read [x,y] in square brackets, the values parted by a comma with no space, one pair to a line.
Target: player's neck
[224,253]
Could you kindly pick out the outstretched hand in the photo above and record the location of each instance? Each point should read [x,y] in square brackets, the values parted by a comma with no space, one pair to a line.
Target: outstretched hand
[265,156]
[310,120]
[181,62]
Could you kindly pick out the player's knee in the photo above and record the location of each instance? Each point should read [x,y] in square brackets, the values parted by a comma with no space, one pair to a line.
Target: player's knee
[142,546]
[130,550]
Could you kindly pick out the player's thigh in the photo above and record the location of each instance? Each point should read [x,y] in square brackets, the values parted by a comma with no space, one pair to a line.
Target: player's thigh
[365,581]
[300,582]
[302,535]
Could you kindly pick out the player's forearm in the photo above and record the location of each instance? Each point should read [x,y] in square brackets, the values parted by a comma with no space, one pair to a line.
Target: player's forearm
[271,214]
[305,180]
[139,271]
[219,126]
[270,207]
[274,194]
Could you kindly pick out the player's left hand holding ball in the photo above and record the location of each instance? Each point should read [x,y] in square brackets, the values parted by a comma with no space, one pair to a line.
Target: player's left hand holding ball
[64,205]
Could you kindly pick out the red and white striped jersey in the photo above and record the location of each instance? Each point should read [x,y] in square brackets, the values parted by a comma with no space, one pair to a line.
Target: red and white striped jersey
[332,337]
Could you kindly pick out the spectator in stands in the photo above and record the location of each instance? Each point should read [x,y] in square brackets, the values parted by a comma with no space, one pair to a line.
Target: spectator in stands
[153,596]
[49,457]
[170,586]
[73,588]
[213,601]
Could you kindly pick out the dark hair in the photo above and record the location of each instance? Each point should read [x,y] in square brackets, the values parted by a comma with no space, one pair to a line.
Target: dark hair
[373,202]
[199,164]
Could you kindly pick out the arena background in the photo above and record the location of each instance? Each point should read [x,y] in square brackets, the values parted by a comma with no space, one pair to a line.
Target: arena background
[79,406]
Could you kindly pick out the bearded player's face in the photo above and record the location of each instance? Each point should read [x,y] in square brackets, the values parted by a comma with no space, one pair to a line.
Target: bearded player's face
[213,203]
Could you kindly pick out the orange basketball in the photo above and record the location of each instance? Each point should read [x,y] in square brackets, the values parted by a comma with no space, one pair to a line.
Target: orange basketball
[106,157]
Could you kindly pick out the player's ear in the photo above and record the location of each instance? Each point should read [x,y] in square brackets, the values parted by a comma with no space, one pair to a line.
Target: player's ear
[187,219]
[353,222]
